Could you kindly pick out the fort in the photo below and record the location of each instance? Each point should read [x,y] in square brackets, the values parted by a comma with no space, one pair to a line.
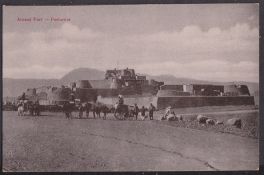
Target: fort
[137,89]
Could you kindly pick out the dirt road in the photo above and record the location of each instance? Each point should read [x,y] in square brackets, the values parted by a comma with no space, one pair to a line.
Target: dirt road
[53,143]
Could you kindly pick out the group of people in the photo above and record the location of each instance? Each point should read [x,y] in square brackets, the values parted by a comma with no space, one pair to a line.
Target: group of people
[32,107]
[136,110]
[143,111]
[98,108]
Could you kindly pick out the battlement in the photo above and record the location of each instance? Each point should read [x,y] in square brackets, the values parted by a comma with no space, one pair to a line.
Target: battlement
[120,74]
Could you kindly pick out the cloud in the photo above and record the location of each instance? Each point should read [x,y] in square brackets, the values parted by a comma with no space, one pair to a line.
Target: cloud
[55,47]
[214,54]
[239,43]
[71,32]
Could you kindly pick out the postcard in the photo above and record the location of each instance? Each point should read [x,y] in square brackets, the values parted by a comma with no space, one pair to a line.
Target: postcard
[146,87]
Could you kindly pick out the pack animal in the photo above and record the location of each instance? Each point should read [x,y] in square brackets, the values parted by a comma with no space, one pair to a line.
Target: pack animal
[21,110]
[97,108]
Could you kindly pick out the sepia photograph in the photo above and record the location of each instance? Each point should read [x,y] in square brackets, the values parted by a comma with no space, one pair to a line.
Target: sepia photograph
[143,87]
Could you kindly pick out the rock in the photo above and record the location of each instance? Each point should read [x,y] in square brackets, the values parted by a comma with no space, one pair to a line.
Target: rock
[210,122]
[235,122]
[179,117]
[219,122]
[201,118]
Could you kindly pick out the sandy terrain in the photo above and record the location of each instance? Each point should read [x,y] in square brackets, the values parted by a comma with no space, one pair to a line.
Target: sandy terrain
[53,143]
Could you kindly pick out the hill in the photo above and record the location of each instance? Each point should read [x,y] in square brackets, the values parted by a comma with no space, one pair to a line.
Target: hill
[82,74]
[14,87]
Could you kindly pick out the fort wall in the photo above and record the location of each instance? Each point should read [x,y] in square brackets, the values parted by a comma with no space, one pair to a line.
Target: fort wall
[166,93]
[85,94]
[174,87]
[191,101]
[83,84]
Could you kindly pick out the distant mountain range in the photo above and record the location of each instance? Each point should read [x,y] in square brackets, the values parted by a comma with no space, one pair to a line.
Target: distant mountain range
[14,87]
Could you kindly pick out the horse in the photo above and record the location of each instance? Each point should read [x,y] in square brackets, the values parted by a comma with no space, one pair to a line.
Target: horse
[21,110]
[105,110]
[96,108]
[68,108]
[99,108]
[87,108]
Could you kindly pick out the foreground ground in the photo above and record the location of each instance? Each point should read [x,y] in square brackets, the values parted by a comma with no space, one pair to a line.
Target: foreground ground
[53,143]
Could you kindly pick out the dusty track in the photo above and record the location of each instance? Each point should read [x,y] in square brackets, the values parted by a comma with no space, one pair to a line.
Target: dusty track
[53,143]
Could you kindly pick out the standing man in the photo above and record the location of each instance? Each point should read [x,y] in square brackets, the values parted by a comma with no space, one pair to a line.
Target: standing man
[93,107]
[136,110]
[31,108]
[87,109]
[151,111]
[36,108]
[143,112]
[65,109]
[105,111]
[81,109]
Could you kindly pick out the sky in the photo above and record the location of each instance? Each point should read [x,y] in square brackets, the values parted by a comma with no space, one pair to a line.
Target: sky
[214,42]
